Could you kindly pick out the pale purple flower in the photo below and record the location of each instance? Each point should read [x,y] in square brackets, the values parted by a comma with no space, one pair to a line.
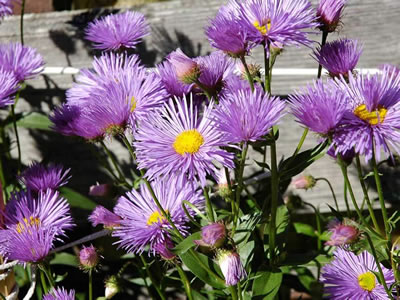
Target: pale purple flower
[186,68]
[8,87]
[329,13]
[278,23]
[246,116]
[304,182]
[177,140]
[60,294]
[101,215]
[164,249]
[117,32]
[88,257]
[143,224]
[38,177]
[212,235]
[23,61]
[6,8]
[339,57]
[100,190]
[351,277]
[231,266]
[342,234]
[171,82]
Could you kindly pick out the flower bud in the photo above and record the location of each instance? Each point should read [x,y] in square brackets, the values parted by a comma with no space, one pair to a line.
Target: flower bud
[292,201]
[212,235]
[223,187]
[231,266]
[88,257]
[254,71]
[101,215]
[163,249]
[342,233]
[329,13]
[112,287]
[100,190]
[186,68]
[347,156]
[304,182]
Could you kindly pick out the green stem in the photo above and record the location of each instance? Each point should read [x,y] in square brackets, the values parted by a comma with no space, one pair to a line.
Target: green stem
[267,79]
[318,222]
[206,91]
[90,285]
[346,200]
[381,276]
[274,203]
[49,276]
[246,68]
[366,196]
[16,132]
[210,211]
[239,291]
[128,146]
[239,186]
[324,38]
[43,281]
[22,21]
[160,293]
[185,281]
[114,162]
[332,191]
[233,292]
[380,195]
[300,144]
[3,182]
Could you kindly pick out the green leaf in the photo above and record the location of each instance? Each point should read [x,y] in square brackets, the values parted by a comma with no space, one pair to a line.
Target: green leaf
[34,120]
[64,258]
[304,229]
[393,220]
[246,226]
[187,243]
[306,277]
[194,266]
[76,199]
[267,284]
[282,220]
[263,165]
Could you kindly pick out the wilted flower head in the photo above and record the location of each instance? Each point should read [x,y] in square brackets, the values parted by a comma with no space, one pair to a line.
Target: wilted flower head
[231,266]
[8,86]
[164,250]
[60,294]
[118,31]
[339,57]
[32,224]
[88,257]
[23,61]
[186,68]
[278,23]
[246,116]
[329,13]
[143,224]
[101,215]
[342,233]
[176,140]
[304,182]
[38,177]
[351,276]
[6,8]
[212,235]
[319,106]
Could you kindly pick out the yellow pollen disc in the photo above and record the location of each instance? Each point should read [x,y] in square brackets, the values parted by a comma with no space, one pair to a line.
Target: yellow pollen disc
[367,281]
[133,104]
[372,117]
[22,226]
[264,28]
[188,141]
[156,217]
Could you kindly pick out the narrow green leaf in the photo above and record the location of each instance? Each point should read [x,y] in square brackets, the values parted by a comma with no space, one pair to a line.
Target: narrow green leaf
[187,243]
[64,258]
[304,229]
[76,199]
[266,286]
[34,120]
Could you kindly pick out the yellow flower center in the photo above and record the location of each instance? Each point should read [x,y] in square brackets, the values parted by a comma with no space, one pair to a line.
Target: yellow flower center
[372,117]
[367,281]
[133,104]
[26,224]
[189,141]
[156,217]
[264,28]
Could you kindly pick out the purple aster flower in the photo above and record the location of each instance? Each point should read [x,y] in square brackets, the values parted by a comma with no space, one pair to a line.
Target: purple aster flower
[38,177]
[319,106]
[212,235]
[342,233]
[32,224]
[176,140]
[101,215]
[351,276]
[278,23]
[64,118]
[172,84]
[60,294]
[226,33]
[247,116]
[339,57]
[8,86]
[23,61]
[347,156]
[6,8]
[186,68]
[100,190]
[372,118]
[231,266]
[329,13]
[117,32]
[143,224]
[164,250]
[88,257]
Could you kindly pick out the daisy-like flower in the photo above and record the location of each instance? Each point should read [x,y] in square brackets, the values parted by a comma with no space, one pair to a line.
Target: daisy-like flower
[32,224]
[351,276]
[38,177]
[320,107]
[247,116]
[23,61]
[8,87]
[6,8]
[117,32]
[60,294]
[177,140]
[329,13]
[339,57]
[278,23]
[102,215]
[143,224]
[171,82]
[231,266]
[226,33]
[186,68]
[372,118]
